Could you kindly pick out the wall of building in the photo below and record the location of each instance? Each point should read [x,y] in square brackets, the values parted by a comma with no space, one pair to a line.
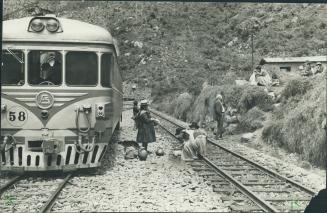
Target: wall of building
[294,67]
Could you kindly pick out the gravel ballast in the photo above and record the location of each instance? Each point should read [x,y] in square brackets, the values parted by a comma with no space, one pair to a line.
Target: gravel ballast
[158,184]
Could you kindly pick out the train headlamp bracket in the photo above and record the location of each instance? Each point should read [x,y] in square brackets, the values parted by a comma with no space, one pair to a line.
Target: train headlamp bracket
[52,146]
[3,108]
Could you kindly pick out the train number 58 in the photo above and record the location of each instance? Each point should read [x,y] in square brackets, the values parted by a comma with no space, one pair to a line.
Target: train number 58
[17,116]
[21,116]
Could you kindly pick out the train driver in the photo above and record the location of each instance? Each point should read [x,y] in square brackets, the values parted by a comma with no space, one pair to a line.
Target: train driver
[50,70]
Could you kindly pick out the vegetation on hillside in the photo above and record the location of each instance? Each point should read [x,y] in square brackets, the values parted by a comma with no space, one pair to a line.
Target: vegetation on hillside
[167,42]
[298,122]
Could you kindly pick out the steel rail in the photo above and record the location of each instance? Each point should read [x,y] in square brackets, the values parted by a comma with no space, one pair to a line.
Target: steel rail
[9,183]
[253,196]
[263,204]
[309,191]
[166,119]
[48,205]
[210,140]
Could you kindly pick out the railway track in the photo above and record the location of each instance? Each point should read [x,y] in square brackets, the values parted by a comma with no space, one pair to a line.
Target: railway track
[248,186]
[31,194]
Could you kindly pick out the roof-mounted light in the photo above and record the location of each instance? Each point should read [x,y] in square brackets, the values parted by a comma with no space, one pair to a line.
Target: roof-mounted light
[52,24]
[37,25]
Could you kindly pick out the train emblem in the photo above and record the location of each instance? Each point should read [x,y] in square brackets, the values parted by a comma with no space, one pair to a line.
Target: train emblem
[44,100]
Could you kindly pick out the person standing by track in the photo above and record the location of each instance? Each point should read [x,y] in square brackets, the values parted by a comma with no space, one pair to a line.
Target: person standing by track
[135,111]
[145,124]
[219,111]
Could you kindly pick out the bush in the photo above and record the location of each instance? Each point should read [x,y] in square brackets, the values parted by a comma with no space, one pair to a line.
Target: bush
[272,133]
[255,96]
[182,105]
[252,120]
[296,87]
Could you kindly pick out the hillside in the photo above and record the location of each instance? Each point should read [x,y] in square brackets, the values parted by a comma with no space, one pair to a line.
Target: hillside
[183,53]
[205,40]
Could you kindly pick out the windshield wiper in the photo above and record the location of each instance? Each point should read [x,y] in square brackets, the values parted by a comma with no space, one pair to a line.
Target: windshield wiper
[15,56]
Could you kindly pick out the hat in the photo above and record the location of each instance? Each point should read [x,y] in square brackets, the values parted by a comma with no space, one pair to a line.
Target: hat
[220,97]
[144,102]
[179,130]
[258,67]
[318,63]
[194,125]
[48,57]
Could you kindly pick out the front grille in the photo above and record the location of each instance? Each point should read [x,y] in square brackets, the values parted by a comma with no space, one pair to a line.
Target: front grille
[35,146]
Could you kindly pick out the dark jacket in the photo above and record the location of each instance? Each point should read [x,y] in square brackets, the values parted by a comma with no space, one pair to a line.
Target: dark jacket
[218,110]
[146,132]
[135,110]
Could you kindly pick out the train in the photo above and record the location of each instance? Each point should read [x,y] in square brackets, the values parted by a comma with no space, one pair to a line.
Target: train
[61,94]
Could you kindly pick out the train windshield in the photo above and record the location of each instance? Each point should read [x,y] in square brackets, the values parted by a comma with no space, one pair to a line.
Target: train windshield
[12,68]
[81,68]
[44,68]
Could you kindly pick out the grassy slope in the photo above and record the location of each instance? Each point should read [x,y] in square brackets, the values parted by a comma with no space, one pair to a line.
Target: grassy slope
[297,124]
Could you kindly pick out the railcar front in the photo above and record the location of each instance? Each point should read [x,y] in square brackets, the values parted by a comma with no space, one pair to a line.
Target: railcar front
[61,96]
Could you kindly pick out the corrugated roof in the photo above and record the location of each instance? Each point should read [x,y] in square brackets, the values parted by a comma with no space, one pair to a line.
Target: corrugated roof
[295,59]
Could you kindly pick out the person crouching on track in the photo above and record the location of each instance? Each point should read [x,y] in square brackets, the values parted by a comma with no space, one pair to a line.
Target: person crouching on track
[200,137]
[194,142]
[145,125]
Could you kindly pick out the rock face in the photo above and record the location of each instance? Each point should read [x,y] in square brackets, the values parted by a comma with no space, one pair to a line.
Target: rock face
[247,137]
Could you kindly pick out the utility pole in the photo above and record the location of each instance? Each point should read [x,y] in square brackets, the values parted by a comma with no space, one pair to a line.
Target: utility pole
[252,49]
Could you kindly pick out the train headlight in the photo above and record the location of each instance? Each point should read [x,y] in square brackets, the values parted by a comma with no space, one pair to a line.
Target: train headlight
[37,25]
[44,114]
[52,25]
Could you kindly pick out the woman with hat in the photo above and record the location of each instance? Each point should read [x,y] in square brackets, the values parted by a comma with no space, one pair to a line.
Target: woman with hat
[262,77]
[146,132]
[194,141]
[200,137]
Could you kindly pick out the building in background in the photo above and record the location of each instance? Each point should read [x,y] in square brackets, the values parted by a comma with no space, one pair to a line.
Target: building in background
[291,64]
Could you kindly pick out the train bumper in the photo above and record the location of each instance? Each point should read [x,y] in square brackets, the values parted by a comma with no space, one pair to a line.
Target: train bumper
[33,153]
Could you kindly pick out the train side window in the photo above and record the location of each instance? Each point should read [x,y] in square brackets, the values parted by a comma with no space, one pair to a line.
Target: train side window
[106,67]
[118,77]
[44,67]
[81,69]
[12,68]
